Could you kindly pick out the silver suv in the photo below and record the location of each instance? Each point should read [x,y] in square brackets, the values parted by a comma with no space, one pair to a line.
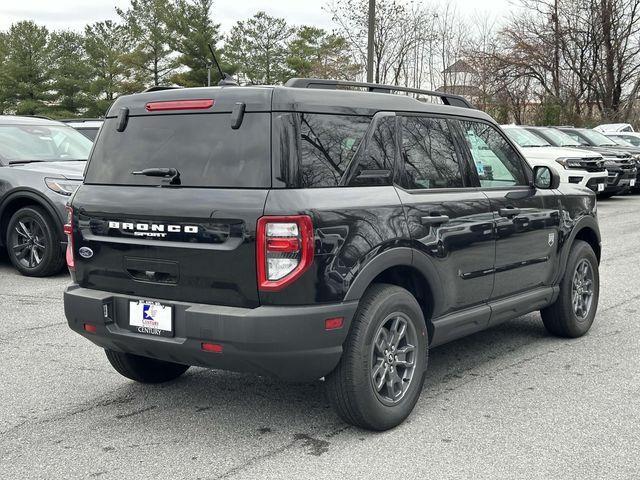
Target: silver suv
[41,166]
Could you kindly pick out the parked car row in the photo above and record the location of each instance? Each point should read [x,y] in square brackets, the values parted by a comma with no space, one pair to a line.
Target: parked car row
[606,164]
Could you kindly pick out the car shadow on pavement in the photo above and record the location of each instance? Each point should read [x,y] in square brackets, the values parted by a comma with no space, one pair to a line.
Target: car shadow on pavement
[5,265]
[250,404]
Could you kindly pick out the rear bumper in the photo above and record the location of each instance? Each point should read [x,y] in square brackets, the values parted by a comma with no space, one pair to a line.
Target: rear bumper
[288,342]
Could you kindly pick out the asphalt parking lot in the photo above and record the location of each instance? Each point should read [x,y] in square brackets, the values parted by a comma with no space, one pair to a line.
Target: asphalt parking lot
[511,402]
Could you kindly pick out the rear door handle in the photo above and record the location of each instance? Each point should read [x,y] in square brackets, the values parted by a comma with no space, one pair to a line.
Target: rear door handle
[509,212]
[434,220]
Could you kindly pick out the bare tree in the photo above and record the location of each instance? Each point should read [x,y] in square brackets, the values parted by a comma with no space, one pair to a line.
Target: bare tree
[402,32]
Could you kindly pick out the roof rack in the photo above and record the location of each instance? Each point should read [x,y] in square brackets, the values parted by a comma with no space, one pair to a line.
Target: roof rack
[157,88]
[446,98]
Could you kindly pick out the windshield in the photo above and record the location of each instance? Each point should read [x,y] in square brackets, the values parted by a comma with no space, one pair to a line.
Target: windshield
[525,138]
[559,138]
[631,139]
[621,142]
[598,138]
[42,143]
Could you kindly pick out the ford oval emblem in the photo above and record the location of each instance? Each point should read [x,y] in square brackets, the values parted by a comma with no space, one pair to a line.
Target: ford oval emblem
[85,252]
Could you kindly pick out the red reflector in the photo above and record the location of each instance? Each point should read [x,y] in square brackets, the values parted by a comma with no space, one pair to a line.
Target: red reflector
[200,104]
[211,347]
[90,328]
[333,323]
[68,229]
[283,244]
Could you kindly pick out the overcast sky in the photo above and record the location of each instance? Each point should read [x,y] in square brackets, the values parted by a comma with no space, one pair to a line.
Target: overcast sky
[74,14]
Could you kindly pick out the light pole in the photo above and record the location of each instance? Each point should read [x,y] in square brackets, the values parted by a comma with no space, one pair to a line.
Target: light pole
[372,21]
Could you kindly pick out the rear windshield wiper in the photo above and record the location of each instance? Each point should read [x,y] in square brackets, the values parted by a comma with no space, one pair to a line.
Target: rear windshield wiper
[171,173]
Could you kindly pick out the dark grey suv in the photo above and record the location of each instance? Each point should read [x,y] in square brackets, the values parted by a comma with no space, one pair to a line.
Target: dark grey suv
[41,165]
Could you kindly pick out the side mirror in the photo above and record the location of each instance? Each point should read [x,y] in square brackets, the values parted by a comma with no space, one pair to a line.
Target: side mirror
[545,178]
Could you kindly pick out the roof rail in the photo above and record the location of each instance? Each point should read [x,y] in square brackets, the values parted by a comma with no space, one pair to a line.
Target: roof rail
[446,98]
[157,88]
[80,119]
[43,117]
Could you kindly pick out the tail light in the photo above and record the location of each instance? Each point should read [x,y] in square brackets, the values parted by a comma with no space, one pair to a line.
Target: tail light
[284,250]
[68,230]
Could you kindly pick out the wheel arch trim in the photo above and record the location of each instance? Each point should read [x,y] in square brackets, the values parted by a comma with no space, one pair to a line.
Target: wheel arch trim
[587,222]
[37,198]
[400,256]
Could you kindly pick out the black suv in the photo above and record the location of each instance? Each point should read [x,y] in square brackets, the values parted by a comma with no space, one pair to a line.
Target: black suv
[312,231]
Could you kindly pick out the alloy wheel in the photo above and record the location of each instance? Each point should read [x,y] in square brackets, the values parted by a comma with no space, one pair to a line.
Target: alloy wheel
[582,289]
[28,242]
[393,358]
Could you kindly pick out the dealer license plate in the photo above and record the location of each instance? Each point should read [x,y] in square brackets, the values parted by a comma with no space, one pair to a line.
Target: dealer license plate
[151,318]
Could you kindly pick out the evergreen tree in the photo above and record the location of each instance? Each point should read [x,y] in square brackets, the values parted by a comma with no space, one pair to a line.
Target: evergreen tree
[106,45]
[146,27]
[258,49]
[26,76]
[70,73]
[317,54]
[3,55]
[192,30]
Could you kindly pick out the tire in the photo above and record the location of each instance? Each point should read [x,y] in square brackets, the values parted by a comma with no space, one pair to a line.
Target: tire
[562,318]
[144,369]
[350,387]
[33,243]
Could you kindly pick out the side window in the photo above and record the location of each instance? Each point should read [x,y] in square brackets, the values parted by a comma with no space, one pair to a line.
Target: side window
[429,154]
[379,155]
[327,145]
[497,163]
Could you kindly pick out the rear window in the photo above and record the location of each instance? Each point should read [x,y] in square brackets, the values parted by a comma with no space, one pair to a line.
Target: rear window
[204,149]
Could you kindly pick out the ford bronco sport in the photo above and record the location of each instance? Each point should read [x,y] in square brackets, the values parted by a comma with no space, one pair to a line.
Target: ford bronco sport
[312,231]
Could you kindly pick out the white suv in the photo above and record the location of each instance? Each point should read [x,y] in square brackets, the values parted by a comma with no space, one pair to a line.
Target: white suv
[614,127]
[575,166]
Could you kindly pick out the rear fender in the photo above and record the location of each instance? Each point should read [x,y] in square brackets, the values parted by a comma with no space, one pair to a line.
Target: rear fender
[401,256]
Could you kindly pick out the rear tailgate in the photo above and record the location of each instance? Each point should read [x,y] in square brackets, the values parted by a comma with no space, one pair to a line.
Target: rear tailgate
[201,249]
[193,241]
